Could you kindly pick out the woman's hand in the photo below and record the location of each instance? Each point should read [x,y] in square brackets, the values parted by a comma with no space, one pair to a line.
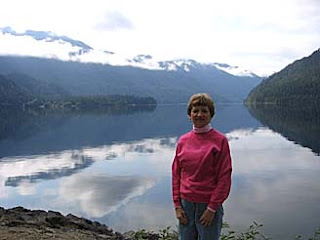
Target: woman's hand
[181,215]
[207,218]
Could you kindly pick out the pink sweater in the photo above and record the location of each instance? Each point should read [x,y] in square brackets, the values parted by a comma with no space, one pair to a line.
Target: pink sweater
[201,170]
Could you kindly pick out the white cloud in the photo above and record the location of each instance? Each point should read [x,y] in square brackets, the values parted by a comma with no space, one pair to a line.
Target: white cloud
[27,46]
[262,36]
[114,21]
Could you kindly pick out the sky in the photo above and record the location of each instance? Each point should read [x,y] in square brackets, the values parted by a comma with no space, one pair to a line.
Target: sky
[263,36]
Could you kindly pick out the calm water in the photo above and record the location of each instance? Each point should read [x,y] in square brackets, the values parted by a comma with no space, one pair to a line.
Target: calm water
[116,168]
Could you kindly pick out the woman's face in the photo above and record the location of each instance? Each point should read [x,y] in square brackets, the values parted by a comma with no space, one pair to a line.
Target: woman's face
[200,116]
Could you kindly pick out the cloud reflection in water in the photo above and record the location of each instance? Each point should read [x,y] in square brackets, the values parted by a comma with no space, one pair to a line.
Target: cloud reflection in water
[98,195]
[275,182]
[24,172]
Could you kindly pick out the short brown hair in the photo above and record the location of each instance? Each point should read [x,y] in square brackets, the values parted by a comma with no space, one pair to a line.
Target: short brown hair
[201,99]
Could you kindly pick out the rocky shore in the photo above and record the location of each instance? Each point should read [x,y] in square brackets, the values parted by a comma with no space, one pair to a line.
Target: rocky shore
[24,224]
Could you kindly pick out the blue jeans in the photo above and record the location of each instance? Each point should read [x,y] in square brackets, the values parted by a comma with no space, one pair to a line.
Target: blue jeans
[194,230]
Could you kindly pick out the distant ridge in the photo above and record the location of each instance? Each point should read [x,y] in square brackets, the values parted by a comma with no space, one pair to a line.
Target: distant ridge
[88,79]
[68,49]
[74,68]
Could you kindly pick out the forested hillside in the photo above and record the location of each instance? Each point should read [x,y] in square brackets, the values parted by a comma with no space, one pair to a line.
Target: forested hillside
[299,82]
[11,93]
[166,86]
[18,90]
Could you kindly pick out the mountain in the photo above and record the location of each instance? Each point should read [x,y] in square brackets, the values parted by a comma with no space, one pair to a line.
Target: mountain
[86,79]
[299,82]
[49,37]
[33,87]
[82,52]
[11,93]
[80,70]
[16,89]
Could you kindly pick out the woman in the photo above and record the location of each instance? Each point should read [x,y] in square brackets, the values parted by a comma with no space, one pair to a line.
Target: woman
[201,174]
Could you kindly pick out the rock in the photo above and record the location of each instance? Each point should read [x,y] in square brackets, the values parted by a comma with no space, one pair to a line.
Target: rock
[20,223]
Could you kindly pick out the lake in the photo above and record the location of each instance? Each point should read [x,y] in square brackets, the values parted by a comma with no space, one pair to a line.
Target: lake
[115,167]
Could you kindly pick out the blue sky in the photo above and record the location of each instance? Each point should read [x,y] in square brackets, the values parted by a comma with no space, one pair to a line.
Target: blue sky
[263,36]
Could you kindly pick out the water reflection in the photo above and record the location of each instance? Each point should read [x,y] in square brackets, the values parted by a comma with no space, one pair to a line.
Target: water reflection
[35,134]
[117,169]
[275,182]
[90,182]
[42,168]
[98,195]
[24,172]
[300,124]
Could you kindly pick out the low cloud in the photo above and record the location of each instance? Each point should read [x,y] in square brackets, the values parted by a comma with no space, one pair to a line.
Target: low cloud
[28,46]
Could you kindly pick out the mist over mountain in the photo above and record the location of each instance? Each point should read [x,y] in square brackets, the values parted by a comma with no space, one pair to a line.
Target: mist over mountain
[77,69]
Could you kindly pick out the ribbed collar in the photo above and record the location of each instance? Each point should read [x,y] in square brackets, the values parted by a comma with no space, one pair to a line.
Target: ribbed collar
[203,129]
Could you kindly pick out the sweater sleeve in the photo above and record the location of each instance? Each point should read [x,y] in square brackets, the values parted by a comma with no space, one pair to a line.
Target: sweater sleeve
[176,171]
[222,189]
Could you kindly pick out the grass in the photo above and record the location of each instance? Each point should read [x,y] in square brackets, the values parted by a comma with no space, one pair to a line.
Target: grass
[252,233]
